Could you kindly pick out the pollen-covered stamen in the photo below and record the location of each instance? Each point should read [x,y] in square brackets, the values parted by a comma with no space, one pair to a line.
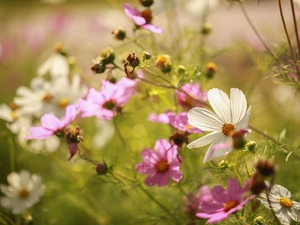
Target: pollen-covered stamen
[23,193]
[231,204]
[227,128]
[286,202]
[63,102]
[162,166]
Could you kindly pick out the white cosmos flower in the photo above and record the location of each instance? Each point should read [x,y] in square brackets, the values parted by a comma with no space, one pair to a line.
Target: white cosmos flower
[230,115]
[23,191]
[282,205]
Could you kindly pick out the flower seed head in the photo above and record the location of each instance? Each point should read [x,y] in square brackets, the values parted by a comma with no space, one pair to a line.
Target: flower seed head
[265,167]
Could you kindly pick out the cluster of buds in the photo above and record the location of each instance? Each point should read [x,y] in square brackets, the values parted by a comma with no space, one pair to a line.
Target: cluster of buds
[131,61]
[264,169]
[106,56]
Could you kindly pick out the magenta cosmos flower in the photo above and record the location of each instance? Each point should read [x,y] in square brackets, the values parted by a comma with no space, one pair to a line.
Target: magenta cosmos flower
[178,121]
[142,19]
[106,103]
[161,164]
[52,125]
[220,203]
[194,90]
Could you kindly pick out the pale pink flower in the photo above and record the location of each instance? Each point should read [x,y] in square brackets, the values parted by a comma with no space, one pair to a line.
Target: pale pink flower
[178,121]
[105,104]
[221,203]
[51,124]
[194,90]
[161,164]
[136,16]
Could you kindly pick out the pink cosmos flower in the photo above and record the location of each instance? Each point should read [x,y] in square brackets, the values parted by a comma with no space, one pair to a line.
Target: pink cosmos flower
[161,164]
[106,103]
[194,90]
[178,121]
[51,124]
[141,19]
[225,202]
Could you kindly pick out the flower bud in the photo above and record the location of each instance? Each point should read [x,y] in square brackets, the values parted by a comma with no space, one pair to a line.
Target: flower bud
[258,184]
[59,48]
[147,15]
[211,69]
[98,68]
[163,62]
[259,220]
[107,55]
[146,56]
[251,146]
[119,33]
[146,3]
[181,69]
[238,138]
[206,29]
[265,168]
[101,168]
[224,164]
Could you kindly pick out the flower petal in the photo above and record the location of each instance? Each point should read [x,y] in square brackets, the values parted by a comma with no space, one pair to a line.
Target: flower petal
[220,103]
[205,140]
[238,105]
[154,29]
[212,153]
[50,122]
[243,124]
[204,119]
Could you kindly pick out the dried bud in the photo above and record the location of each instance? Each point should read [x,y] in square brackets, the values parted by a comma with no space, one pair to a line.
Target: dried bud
[258,184]
[211,69]
[146,3]
[179,138]
[206,29]
[163,62]
[119,33]
[131,60]
[265,167]
[101,168]
[107,55]
[147,15]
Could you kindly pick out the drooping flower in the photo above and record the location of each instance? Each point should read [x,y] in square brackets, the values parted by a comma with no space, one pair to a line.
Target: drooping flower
[280,202]
[23,191]
[142,19]
[105,104]
[230,115]
[194,90]
[221,203]
[161,164]
[51,125]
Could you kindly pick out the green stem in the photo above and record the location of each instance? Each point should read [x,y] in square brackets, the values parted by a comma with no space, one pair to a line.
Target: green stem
[247,170]
[12,154]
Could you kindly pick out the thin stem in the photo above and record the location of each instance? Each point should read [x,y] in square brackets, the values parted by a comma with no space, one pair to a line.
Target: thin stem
[12,154]
[295,25]
[271,207]
[287,35]
[247,170]
[156,201]
[154,74]
[286,149]
[256,32]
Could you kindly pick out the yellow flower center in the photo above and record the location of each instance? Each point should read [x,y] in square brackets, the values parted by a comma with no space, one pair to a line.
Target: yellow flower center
[162,166]
[14,116]
[286,202]
[63,102]
[23,193]
[227,128]
[229,205]
[189,127]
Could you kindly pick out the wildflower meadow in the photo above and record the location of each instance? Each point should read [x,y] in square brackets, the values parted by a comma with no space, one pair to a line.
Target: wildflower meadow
[155,112]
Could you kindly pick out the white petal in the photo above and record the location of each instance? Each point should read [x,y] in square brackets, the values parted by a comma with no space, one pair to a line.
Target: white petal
[220,103]
[204,119]
[211,153]
[243,124]
[238,104]
[205,140]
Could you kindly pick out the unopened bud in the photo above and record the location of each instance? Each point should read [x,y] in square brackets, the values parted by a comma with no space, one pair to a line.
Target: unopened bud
[119,34]
[101,168]
[258,184]
[181,69]
[146,3]
[146,56]
[211,69]
[238,138]
[99,68]
[163,62]
[147,15]
[259,220]
[107,55]
[206,29]
[224,164]
[251,146]
[59,48]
